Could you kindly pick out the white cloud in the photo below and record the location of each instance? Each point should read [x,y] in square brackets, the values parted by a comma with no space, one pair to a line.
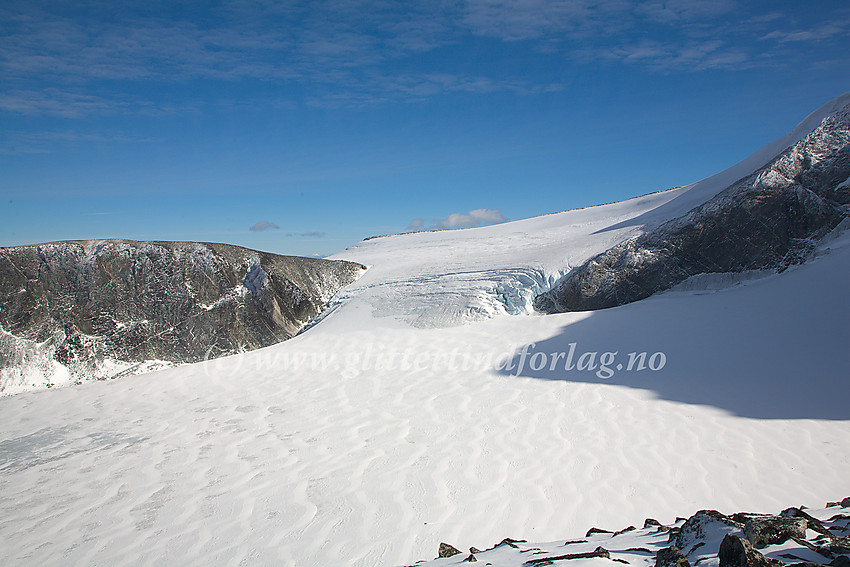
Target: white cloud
[416,224]
[474,218]
[489,216]
[264,225]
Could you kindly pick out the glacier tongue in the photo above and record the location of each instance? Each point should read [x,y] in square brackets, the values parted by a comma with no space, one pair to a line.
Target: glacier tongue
[517,291]
[444,300]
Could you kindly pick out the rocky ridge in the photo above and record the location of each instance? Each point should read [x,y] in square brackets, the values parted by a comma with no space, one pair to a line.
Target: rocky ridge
[799,537]
[81,310]
[769,220]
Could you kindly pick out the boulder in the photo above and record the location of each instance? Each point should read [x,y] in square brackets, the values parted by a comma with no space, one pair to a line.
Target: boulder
[738,552]
[694,531]
[447,550]
[598,552]
[812,523]
[767,530]
[671,557]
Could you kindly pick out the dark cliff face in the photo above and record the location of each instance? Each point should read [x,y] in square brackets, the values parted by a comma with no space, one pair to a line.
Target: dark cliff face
[177,302]
[767,221]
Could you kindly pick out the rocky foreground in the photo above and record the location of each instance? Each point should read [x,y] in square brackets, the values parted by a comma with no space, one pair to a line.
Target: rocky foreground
[81,310]
[800,537]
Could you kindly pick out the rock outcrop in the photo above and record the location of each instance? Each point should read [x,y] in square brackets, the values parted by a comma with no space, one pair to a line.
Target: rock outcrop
[769,220]
[94,308]
[768,530]
[447,550]
[707,538]
[671,557]
[739,552]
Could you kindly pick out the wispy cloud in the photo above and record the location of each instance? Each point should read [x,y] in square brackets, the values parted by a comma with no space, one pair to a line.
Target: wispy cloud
[362,52]
[585,20]
[664,56]
[311,234]
[58,102]
[416,224]
[697,35]
[472,219]
[262,226]
[18,142]
[817,33]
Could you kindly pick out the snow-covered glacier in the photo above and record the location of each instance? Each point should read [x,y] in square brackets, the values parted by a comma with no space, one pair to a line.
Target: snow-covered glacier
[446,278]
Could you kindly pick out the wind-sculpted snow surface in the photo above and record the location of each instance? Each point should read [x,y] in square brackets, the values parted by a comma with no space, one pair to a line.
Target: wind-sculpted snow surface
[366,441]
[767,221]
[74,311]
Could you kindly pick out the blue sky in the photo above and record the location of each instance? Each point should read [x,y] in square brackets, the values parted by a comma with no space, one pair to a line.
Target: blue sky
[320,123]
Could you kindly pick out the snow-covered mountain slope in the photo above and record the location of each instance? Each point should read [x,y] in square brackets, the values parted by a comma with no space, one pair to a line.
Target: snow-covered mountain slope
[447,277]
[768,220]
[697,193]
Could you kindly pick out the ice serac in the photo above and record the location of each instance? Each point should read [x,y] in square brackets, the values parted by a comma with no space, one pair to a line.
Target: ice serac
[770,219]
[88,309]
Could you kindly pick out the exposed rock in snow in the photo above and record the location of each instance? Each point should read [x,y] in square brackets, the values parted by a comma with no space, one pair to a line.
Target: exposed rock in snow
[708,538]
[447,550]
[671,557]
[73,311]
[767,530]
[737,552]
[768,220]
